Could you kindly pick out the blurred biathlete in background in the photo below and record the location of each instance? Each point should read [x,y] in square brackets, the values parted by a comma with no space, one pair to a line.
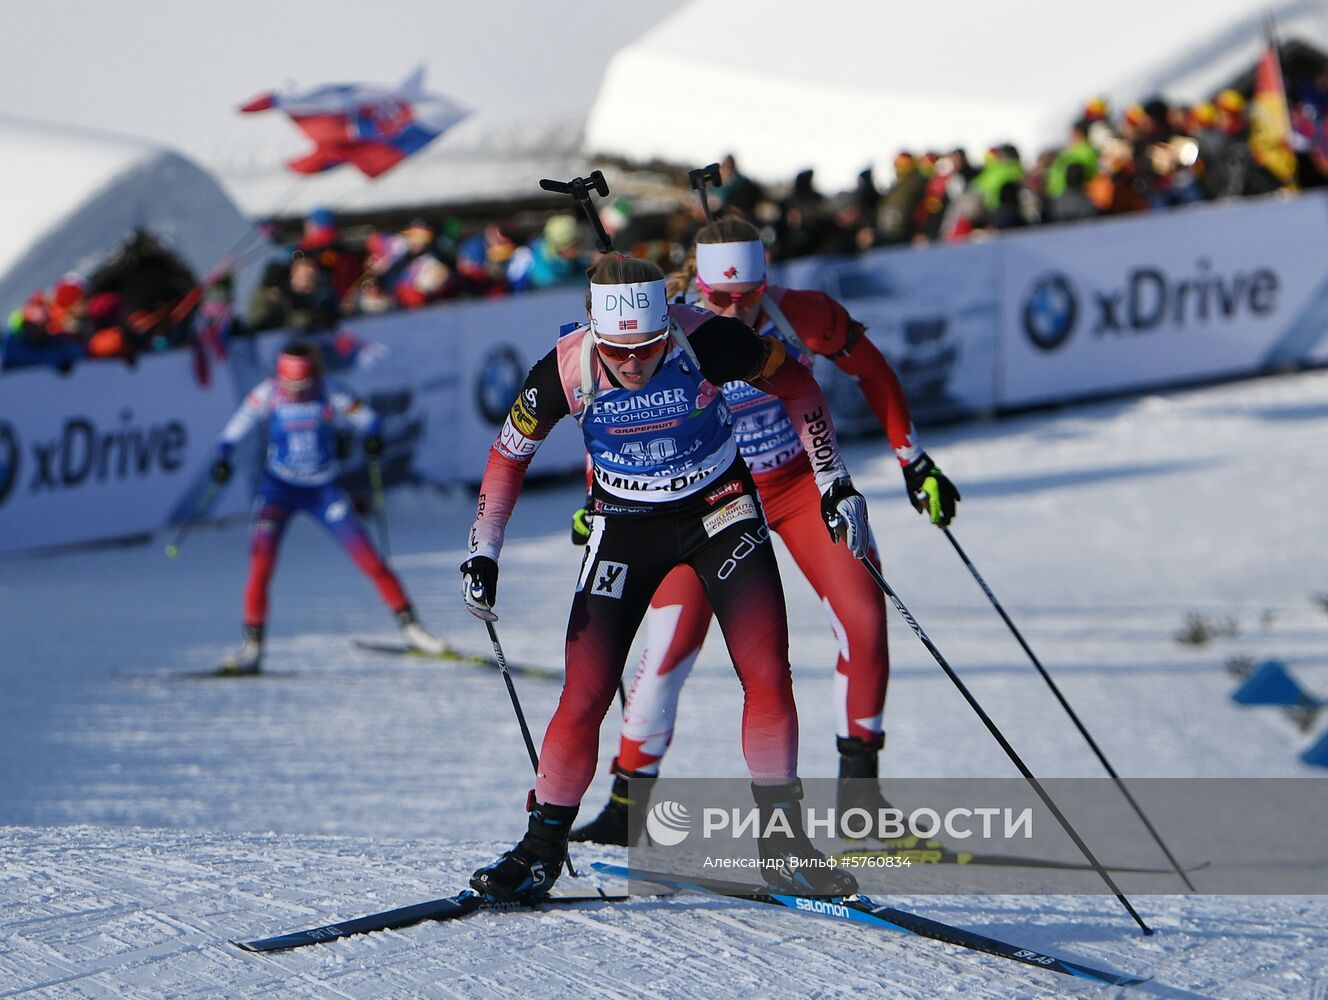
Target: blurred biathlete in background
[669,490]
[729,268]
[299,473]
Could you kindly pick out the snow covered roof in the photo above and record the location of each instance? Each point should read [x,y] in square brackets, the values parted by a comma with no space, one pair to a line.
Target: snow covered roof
[73,196]
[844,85]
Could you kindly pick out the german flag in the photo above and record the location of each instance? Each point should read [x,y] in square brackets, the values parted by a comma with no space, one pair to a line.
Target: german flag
[1270,121]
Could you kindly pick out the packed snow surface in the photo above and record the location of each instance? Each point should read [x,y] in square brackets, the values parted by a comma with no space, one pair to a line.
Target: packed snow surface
[149,818]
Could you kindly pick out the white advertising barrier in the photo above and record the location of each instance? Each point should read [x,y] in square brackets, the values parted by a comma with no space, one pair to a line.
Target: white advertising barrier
[1186,295]
[934,315]
[443,379]
[500,343]
[106,451]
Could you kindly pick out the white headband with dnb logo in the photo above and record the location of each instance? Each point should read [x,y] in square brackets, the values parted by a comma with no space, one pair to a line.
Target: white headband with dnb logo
[638,307]
[717,263]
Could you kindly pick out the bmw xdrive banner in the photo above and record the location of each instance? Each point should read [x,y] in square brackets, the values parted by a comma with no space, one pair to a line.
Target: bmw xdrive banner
[105,452]
[1152,300]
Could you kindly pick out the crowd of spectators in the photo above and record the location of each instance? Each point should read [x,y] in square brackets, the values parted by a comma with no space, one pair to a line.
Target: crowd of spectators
[1145,157]
[117,319]
[1149,157]
[326,276]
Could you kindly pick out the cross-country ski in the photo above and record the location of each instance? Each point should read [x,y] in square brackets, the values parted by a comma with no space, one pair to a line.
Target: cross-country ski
[463,904]
[861,910]
[450,655]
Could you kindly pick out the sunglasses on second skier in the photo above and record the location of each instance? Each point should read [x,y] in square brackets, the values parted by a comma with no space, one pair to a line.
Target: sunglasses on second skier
[723,299]
[621,353]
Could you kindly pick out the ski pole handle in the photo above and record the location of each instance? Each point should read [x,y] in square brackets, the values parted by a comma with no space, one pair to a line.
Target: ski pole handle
[699,178]
[579,188]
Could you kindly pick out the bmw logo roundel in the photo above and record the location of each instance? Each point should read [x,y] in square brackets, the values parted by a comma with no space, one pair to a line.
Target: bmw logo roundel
[1050,311]
[9,454]
[499,380]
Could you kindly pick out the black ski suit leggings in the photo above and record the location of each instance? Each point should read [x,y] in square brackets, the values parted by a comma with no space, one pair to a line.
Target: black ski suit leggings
[721,533]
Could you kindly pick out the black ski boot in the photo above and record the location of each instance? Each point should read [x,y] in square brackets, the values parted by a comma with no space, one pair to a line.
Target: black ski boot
[859,787]
[619,822]
[789,861]
[529,870]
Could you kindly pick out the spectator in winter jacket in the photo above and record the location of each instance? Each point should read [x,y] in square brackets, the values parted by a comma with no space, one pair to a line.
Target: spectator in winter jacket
[1072,203]
[1116,188]
[804,223]
[309,303]
[1000,168]
[553,258]
[28,342]
[473,274]
[267,302]
[1079,150]
[322,242]
[895,216]
[943,188]
[737,193]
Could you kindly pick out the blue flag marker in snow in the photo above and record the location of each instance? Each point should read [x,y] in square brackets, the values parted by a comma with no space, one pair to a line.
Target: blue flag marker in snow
[1318,753]
[1270,684]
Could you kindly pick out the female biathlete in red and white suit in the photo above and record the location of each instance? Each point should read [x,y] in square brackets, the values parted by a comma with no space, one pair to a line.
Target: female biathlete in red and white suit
[731,279]
[669,490]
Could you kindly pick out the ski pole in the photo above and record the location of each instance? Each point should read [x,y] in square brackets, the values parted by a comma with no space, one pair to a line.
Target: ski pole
[520,716]
[698,179]
[1000,738]
[1083,731]
[173,549]
[380,505]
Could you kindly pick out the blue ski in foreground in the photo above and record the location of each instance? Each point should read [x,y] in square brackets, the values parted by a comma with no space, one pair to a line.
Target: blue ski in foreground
[861,910]
[463,904]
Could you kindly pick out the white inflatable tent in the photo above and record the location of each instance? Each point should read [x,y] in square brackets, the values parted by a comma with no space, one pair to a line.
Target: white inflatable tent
[72,197]
[840,84]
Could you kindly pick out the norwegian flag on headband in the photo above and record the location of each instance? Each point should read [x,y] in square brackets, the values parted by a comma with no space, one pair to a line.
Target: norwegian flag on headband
[373,128]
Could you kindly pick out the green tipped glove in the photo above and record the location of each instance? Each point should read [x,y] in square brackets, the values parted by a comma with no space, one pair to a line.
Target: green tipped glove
[930,491]
[581,523]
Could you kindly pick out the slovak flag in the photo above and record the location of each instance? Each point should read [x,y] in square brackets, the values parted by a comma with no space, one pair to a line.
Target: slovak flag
[373,128]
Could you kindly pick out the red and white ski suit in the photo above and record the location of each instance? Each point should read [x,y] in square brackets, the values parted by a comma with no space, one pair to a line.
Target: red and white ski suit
[676,623]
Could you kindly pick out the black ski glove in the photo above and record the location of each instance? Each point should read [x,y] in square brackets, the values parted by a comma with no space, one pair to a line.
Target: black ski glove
[479,587]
